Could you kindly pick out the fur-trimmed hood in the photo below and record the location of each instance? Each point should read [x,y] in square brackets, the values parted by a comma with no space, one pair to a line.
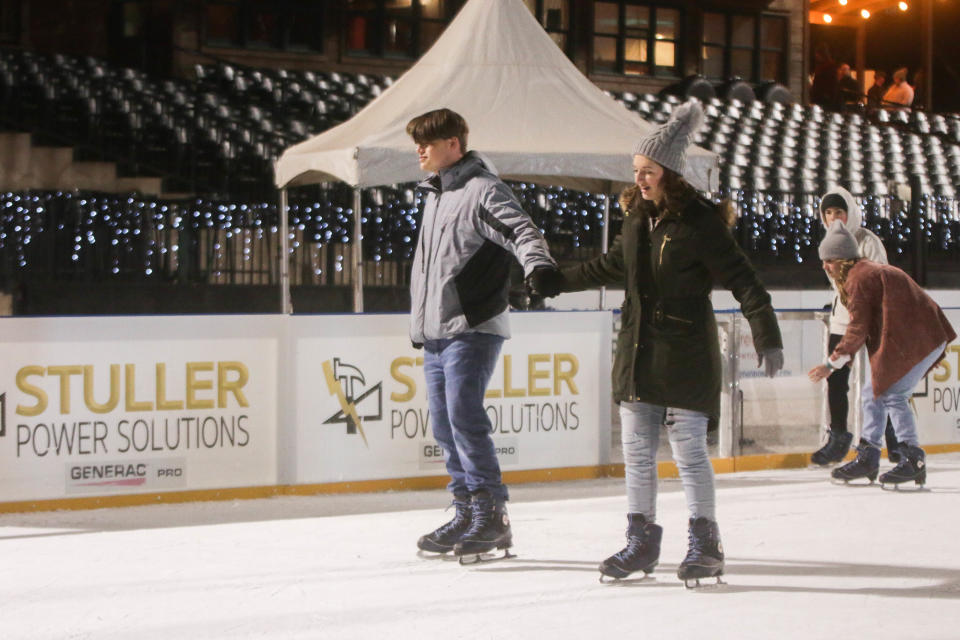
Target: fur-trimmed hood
[632,203]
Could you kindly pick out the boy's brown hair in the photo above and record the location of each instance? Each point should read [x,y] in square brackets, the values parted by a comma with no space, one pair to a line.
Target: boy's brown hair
[439,124]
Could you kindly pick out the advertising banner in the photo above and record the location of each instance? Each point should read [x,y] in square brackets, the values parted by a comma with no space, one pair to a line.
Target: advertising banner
[362,406]
[937,397]
[104,406]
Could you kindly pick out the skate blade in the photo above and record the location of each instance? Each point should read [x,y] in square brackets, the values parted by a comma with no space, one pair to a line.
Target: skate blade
[481,558]
[697,586]
[435,555]
[626,580]
[851,483]
[908,486]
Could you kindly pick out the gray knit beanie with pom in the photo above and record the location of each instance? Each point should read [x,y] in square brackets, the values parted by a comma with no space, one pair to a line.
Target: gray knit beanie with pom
[667,144]
[839,243]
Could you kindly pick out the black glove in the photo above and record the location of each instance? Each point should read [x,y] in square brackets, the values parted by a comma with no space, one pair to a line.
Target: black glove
[771,360]
[545,281]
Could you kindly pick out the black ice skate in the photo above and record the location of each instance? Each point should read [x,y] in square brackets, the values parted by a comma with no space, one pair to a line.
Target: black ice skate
[489,530]
[835,450]
[866,465]
[641,553]
[893,447]
[442,539]
[913,466]
[704,554]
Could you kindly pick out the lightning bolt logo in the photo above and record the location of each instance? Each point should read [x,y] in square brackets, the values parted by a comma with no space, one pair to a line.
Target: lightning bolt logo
[348,408]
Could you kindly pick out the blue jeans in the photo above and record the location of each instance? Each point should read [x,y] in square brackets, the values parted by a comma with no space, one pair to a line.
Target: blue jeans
[640,432]
[895,403]
[457,371]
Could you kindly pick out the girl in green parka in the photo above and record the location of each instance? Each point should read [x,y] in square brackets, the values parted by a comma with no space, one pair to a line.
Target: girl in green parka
[673,247]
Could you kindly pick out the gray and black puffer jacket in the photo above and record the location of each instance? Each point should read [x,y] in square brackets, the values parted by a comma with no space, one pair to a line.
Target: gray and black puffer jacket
[472,228]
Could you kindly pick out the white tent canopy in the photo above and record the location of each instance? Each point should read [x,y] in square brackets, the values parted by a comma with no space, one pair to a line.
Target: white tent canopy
[529,109]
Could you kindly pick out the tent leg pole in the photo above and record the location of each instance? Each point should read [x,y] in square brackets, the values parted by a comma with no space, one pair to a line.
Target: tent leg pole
[285,306]
[605,240]
[357,252]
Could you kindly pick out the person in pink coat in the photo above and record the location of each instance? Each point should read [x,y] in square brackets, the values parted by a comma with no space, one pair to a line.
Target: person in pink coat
[906,334]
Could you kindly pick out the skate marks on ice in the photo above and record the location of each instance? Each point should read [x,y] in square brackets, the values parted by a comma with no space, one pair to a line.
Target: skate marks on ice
[929,582]
[520,564]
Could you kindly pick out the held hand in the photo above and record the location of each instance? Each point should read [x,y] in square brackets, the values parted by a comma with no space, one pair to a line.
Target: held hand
[819,372]
[772,359]
[545,281]
[524,299]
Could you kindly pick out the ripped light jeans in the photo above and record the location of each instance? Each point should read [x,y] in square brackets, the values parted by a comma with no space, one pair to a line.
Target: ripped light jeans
[687,431]
[895,402]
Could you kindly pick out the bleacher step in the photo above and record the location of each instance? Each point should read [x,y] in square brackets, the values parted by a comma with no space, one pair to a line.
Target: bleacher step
[24,165]
[14,160]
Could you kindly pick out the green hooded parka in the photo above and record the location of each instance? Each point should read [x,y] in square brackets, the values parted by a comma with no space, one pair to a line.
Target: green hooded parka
[668,350]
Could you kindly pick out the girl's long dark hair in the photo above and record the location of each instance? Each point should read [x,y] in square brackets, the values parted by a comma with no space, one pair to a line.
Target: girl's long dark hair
[677,192]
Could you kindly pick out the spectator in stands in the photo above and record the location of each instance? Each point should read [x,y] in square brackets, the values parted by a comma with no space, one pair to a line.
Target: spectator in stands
[875,93]
[839,204]
[673,246]
[824,90]
[900,93]
[847,85]
[472,228]
[905,333]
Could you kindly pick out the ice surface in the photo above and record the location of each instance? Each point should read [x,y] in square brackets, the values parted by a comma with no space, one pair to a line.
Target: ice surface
[805,559]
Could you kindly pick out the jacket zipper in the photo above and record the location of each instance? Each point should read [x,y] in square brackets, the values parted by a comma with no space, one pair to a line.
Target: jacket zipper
[663,245]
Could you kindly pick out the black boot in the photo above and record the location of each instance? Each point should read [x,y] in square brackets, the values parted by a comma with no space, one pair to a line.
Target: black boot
[442,539]
[704,553]
[489,528]
[913,466]
[866,465]
[835,450]
[642,551]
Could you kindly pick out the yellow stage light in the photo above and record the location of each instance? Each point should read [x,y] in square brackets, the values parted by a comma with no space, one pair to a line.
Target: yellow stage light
[864,14]
[903,6]
[827,18]
[843,3]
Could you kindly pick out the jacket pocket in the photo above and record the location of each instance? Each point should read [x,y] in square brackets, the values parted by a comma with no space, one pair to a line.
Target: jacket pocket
[483,282]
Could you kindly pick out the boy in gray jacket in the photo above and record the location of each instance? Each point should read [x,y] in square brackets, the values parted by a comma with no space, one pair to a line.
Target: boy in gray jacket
[472,229]
[839,204]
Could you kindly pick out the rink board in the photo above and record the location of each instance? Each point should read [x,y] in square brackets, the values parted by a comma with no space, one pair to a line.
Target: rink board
[362,407]
[211,407]
[120,405]
[937,397]
[242,406]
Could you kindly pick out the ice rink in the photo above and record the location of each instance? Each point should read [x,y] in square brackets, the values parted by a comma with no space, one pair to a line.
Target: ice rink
[805,559]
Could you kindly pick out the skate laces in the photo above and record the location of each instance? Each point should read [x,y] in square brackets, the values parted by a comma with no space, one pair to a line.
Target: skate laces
[697,544]
[635,545]
[459,519]
[482,515]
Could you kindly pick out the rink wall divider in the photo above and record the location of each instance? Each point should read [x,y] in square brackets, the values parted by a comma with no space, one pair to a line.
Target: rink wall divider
[125,411]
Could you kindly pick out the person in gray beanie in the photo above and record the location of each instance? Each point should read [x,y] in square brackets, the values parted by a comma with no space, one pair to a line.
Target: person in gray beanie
[673,247]
[905,333]
[838,204]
